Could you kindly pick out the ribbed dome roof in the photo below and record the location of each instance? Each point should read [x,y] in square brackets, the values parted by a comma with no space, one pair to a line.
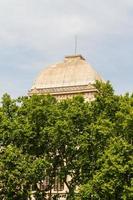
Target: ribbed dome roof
[73,71]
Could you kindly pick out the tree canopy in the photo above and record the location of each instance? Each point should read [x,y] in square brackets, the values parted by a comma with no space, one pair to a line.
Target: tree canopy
[89,141]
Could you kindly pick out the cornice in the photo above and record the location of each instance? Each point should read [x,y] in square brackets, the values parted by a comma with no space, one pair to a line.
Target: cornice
[63,90]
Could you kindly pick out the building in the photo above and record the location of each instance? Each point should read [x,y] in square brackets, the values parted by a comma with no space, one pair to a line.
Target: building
[66,79]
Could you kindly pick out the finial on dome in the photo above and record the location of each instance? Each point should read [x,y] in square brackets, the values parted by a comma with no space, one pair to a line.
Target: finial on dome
[76,42]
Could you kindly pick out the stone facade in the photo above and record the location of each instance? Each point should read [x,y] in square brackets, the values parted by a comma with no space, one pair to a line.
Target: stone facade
[73,76]
[88,91]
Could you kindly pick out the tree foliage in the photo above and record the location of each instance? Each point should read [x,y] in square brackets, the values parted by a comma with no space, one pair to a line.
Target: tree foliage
[89,141]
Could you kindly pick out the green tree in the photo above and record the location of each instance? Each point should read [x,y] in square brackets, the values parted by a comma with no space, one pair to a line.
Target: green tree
[113,180]
[19,172]
[87,141]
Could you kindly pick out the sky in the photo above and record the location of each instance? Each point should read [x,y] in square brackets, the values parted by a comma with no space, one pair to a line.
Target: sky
[37,33]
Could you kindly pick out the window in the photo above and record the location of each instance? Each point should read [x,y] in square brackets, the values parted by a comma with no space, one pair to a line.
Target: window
[58,185]
[44,184]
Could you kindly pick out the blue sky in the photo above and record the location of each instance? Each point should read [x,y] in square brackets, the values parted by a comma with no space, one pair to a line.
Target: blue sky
[36,33]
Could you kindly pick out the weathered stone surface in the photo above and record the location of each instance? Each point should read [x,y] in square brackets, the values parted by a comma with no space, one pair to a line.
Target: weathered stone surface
[63,80]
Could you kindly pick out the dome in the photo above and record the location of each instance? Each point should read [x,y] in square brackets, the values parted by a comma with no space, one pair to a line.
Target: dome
[73,72]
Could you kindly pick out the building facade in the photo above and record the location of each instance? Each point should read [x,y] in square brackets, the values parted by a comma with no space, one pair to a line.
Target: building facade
[63,80]
[66,79]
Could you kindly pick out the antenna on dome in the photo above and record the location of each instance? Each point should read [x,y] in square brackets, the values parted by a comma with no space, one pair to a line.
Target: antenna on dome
[76,42]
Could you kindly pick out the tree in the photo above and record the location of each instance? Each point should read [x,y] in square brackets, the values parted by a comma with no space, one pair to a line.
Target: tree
[86,141]
[19,172]
[113,180]
[25,151]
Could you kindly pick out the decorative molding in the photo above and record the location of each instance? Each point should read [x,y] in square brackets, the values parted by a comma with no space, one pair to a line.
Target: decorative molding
[63,90]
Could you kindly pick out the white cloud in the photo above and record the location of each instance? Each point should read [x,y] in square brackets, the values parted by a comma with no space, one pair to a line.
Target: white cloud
[46,23]
[47,28]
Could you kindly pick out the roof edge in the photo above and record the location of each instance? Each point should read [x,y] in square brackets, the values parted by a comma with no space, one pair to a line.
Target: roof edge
[75,56]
